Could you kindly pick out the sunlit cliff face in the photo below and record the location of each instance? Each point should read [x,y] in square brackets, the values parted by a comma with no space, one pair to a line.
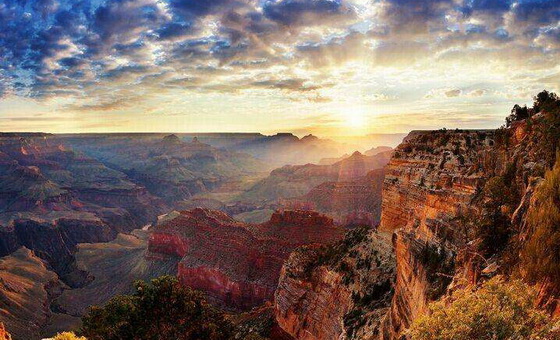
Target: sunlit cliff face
[332,67]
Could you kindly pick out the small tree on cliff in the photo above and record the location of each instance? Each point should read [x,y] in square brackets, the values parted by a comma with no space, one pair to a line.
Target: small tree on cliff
[162,309]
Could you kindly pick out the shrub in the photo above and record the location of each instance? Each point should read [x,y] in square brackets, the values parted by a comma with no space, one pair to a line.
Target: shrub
[541,254]
[498,310]
[162,309]
[68,336]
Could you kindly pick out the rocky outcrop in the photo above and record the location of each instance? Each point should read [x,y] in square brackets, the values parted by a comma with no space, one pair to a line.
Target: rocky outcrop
[237,264]
[432,178]
[340,291]
[423,272]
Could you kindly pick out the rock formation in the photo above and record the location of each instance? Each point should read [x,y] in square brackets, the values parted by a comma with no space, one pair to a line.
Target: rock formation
[339,291]
[237,264]
[435,185]
[432,187]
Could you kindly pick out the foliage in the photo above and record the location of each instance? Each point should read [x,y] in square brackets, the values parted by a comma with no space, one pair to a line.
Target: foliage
[517,113]
[162,309]
[548,127]
[439,264]
[68,336]
[541,254]
[498,310]
[493,227]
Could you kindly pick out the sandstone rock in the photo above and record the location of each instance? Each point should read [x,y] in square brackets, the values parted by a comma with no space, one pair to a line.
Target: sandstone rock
[336,292]
[237,264]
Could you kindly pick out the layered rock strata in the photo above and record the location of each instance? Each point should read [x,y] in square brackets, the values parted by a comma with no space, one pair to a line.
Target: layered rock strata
[237,264]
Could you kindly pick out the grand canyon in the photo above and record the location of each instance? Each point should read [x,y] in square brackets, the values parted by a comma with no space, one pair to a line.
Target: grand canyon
[279,170]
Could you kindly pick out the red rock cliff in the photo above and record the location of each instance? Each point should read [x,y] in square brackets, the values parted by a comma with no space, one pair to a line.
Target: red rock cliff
[337,292]
[237,264]
[433,182]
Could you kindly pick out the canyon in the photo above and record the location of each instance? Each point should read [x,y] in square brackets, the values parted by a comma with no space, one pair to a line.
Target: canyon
[354,248]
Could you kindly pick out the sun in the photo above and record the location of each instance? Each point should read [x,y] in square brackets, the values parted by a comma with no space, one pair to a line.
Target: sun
[355,118]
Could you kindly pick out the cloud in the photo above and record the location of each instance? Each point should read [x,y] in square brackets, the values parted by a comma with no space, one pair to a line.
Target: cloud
[99,52]
[307,12]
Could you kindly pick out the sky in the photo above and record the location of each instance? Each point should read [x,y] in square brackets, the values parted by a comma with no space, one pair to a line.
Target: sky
[328,67]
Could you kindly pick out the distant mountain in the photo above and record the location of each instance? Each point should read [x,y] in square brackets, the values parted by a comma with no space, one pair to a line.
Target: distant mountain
[52,197]
[285,148]
[352,202]
[167,166]
[296,181]
[377,150]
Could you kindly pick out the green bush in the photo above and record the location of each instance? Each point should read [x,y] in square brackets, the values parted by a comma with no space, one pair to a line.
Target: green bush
[498,310]
[162,309]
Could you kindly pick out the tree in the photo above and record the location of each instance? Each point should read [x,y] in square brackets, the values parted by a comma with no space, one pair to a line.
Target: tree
[517,113]
[162,309]
[498,310]
[546,101]
[493,227]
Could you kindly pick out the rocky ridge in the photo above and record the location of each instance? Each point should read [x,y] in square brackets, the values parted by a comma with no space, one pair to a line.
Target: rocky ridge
[237,264]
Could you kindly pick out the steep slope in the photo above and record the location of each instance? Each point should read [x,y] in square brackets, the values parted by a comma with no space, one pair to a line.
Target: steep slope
[451,197]
[237,264]
[27,287]
[112,267]
[431,180]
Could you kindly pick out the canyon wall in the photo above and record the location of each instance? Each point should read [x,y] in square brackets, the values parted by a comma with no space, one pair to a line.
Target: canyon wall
[433,179]
[434,188]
